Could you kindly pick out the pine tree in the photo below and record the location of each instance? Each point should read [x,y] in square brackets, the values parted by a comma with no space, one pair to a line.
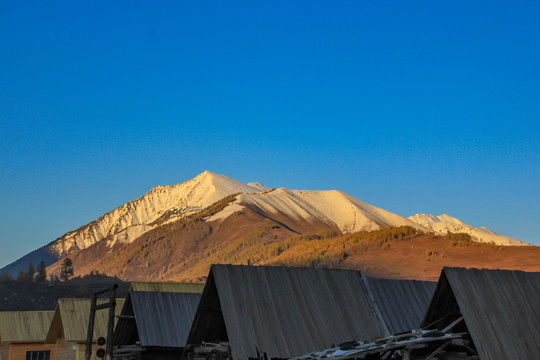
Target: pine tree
[21,276]
[41,272]
[30,272]
[6,277]
[66,269]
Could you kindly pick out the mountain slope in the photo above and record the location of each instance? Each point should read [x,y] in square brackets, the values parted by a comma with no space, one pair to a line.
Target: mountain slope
[293,211]
[127,222]
[332,207]
[443,224]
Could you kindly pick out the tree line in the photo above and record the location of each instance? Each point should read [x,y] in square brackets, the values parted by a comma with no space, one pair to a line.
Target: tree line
[40,274]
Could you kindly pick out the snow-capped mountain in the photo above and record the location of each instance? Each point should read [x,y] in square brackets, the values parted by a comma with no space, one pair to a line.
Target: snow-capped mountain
[168,203]
[127,222]
[443,224]
[299,210]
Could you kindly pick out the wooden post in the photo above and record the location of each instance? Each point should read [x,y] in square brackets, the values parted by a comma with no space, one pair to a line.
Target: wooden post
[110,330]
[405,355]
[90,332]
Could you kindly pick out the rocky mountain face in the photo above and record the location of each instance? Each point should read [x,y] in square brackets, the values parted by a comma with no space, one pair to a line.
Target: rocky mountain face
[216,210]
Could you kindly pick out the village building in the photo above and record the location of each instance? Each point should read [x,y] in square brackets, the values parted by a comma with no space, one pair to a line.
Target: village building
[69,327]
[22,335]
[402,303]
[167,286]
[497,309]
[280,312]
[155,320]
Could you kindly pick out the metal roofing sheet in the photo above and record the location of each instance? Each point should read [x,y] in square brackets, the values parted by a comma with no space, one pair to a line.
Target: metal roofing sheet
[167,286]
[23,326]
[402,303]
[73,315]
[164,318]
[286,312]
[500,309]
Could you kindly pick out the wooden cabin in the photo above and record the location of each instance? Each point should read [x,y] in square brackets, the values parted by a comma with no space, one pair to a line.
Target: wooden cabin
[280,312]
[23,333]
[69,327]
[498,310]
[155,325]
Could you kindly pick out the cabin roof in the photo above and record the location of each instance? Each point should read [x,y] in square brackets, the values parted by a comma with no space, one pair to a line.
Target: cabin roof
[167,286]
[402,303]
[499,307]
[24,326]
[162,319]
[282,311]
[71,318]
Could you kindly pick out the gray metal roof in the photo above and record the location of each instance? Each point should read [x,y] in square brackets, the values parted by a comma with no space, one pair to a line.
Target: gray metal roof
[500,309]
[163,319]
[402,303]
[283,312]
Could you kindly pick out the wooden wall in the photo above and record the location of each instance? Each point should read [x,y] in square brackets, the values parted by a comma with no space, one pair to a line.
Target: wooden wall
[18,351]
[64,350]
[4,351]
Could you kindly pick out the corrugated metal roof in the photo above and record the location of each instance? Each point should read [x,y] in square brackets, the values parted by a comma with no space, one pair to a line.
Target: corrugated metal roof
[24,326]
[164,318]
[500,309]
[402,303]
[72,315]
[283,312]
[168,286]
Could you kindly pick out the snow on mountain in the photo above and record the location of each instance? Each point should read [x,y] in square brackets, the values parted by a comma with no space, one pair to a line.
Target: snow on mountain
[444,223]
[168,203]
[259,186]
[129,221]
[332,207]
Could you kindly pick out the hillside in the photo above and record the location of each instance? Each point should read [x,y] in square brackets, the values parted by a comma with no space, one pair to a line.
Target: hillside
[158,235]
[185,250]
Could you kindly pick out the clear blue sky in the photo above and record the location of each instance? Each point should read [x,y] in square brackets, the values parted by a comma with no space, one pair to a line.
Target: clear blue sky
[409,106]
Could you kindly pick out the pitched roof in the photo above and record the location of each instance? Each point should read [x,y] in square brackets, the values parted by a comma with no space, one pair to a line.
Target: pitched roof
[71,316]
[402,303]
[283,312]
[499,307]
[167,286]
[163,319]
[24,326]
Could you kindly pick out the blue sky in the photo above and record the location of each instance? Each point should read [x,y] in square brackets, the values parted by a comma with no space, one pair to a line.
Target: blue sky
[409,106]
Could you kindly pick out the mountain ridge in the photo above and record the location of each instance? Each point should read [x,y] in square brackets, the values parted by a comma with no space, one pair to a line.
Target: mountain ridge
[443,224]
[305,210]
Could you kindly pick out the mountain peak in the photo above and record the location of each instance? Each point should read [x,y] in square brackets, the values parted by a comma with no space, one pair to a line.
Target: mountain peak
[221,184]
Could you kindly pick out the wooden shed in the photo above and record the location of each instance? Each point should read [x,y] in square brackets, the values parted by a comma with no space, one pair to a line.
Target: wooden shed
[155,325]
[22,335]
[281,312]
[69,327]
[402,303]
[167,286]
[499,310]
